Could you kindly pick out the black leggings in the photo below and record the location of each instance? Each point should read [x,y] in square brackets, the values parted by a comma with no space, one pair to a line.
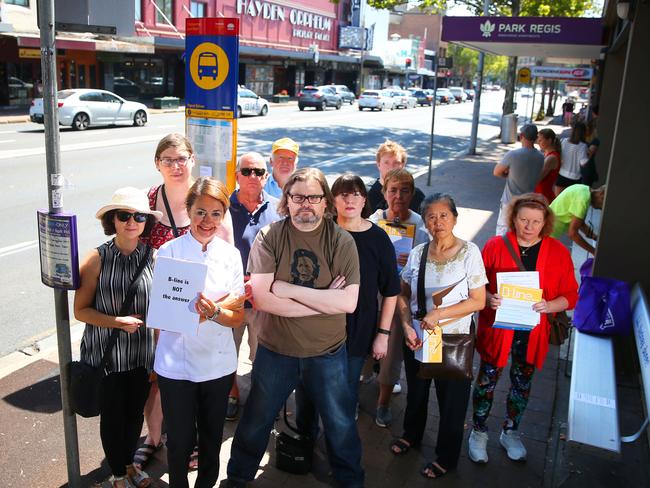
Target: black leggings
[189,407]
[121,417]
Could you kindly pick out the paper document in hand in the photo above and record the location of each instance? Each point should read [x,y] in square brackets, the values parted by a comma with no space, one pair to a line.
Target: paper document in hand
[519,291]
[174,292]
[402,237]
[431,350]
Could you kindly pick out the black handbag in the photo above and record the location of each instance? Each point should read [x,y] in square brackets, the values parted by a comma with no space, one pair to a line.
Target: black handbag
[85,381]
[293,452]
[559,323]
[457,349]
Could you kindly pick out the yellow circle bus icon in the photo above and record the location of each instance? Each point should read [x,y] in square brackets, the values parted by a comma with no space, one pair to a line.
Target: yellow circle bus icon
[209,66]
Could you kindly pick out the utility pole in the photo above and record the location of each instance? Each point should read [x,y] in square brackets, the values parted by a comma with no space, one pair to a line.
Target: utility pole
[55,201]
[433,115]
[477,93]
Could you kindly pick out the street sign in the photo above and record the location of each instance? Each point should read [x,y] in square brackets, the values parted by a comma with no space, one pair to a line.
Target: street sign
[212,67]
[211,77]
[562,73]
[523,76]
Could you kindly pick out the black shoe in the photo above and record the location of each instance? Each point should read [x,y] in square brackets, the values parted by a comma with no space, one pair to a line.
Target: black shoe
[232,409]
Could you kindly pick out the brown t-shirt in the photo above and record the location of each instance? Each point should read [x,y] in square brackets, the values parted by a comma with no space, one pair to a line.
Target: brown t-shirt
[310,259]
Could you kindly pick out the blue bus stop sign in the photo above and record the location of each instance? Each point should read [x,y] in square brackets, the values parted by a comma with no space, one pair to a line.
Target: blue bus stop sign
[211,67]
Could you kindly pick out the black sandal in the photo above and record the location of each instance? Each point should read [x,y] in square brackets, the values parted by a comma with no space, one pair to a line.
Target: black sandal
[433,469]
[400,447]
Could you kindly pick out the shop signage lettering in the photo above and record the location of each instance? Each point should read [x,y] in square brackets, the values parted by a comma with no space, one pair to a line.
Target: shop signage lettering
[532,28]
[297,18]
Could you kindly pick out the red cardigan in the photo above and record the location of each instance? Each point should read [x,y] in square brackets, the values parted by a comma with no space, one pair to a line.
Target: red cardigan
[556,278]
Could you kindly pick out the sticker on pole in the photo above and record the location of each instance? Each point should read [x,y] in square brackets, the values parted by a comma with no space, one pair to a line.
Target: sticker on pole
[212,69]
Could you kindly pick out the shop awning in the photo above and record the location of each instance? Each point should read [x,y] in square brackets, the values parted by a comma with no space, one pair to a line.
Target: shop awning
[572,38]
[371,61]
[112,45]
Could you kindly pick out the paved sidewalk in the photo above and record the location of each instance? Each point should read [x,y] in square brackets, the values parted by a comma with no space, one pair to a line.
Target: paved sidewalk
[31,437]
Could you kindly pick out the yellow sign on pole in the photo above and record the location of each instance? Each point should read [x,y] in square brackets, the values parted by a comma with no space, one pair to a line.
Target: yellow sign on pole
[523,76]
[24,52]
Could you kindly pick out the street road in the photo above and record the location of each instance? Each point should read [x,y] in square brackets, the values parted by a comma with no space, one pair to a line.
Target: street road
[98,161]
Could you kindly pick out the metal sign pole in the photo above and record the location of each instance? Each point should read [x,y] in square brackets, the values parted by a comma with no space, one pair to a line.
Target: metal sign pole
[54,185]
[477,93]
[433,115]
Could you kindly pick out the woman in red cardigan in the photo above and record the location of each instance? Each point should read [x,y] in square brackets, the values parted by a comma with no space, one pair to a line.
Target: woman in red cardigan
[530,221]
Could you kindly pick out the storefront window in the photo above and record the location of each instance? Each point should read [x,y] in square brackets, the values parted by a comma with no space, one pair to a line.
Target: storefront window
[197,9]
[138,9]
[260,79]
[23,3]
[139,78]
[166,6]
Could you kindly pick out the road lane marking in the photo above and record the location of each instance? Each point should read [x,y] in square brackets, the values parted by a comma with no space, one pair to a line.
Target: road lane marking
[16,153]
[16,248]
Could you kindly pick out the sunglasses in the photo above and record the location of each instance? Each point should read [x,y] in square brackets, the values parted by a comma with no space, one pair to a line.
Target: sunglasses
[259,172]
[124,216]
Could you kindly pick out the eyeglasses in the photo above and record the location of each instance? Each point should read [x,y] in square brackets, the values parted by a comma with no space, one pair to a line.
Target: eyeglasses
[200,213]
[169,162]
[313,199]
[259,172]
[124,216]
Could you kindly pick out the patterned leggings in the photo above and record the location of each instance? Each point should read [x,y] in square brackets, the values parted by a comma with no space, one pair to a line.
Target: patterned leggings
[521,375]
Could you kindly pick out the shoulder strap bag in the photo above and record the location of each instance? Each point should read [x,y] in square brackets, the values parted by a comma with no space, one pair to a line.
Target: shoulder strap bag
[170,216]
[457,349]
[85,381]
[560,321]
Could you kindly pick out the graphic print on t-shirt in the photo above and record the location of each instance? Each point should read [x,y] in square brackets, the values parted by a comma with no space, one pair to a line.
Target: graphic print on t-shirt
[304,268]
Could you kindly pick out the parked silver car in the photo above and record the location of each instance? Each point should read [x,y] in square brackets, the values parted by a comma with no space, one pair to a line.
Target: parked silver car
[346,95]
[319,97]
[376,100]
[82,107]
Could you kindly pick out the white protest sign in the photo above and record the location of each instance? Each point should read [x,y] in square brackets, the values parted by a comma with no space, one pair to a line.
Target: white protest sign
[174,292]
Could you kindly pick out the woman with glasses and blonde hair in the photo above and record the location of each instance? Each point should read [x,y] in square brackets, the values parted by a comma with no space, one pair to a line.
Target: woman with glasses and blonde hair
[527,244]
[174,160]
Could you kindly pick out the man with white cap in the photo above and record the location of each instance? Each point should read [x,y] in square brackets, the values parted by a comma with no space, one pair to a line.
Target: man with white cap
[284,159]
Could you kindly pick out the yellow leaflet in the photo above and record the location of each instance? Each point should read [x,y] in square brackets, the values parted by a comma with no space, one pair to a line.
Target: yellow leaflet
[521,293]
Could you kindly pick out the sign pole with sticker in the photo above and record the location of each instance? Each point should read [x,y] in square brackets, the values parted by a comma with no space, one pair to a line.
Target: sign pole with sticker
[211,75]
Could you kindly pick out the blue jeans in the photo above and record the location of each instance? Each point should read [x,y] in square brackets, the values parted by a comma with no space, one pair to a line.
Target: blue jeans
[306,416]
[273,379]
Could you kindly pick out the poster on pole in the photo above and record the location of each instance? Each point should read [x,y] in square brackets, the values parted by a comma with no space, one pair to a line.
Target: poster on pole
[58,249]
[211,77]
[174,293]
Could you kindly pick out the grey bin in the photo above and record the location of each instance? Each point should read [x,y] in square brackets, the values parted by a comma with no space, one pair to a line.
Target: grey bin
[509,128]
[165,102]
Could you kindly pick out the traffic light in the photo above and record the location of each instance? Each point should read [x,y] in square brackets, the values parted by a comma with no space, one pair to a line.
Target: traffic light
[408,62]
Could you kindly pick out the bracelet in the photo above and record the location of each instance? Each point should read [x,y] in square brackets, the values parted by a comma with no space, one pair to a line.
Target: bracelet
[383,331]
[216,313]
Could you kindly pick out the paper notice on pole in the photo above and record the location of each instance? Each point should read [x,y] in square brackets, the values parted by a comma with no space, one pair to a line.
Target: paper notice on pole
[519,291]
[174,291]
[212,140]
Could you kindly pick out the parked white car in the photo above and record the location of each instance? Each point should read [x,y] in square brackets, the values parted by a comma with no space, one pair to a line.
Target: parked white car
[459,93]
[404,99]
[250,103]
[375,100]
[80,108]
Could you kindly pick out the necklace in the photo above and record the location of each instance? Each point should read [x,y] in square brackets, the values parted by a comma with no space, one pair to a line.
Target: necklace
[524,250]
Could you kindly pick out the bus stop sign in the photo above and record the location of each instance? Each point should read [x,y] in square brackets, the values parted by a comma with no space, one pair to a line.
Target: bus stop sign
[211,67]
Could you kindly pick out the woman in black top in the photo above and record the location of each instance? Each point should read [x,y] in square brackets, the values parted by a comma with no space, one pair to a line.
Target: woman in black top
[106,275]
[369,326]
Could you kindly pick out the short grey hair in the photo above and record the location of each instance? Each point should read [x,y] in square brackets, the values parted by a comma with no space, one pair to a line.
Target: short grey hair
[251,154]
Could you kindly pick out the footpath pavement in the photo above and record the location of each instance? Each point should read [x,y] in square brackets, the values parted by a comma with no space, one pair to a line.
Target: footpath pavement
[32,450]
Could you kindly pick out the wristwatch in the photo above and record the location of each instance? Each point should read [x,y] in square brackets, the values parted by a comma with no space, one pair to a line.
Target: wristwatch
[216,313]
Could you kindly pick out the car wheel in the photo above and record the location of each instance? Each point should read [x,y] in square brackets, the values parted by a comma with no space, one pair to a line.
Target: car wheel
[352,102]
[339,105]
[301,107]
[264,111]
[239,112]
[322,106]
[360,109]
[81,121]
[140,118]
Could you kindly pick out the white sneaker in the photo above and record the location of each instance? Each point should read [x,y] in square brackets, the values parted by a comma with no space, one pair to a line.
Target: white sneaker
[511,442]
[397,388]
[478,446]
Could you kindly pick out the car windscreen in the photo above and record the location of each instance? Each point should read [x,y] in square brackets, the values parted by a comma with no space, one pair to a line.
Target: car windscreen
[370,94]
[310,90]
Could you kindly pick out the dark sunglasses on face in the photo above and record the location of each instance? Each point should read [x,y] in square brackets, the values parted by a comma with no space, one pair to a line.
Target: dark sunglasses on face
[259,172]
[124,216]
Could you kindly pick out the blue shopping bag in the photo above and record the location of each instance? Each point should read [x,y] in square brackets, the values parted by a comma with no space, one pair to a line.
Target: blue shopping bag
[604,307]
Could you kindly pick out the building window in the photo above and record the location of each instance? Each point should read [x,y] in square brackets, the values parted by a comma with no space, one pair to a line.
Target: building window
[23,3]
[138,9]
[197,9]
[166,6]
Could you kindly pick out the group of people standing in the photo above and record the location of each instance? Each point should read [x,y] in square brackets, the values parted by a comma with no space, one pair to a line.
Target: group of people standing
[317,278]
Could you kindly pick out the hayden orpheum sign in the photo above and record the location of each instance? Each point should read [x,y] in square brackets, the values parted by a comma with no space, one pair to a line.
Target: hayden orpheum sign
[304,23]
[557,30]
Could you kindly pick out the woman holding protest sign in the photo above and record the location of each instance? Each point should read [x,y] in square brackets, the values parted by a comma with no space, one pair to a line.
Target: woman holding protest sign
[196,369]
[113,300]
[526,247]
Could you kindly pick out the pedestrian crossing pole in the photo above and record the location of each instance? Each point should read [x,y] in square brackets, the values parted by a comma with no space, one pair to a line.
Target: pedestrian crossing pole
[477,93]
[54,186]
